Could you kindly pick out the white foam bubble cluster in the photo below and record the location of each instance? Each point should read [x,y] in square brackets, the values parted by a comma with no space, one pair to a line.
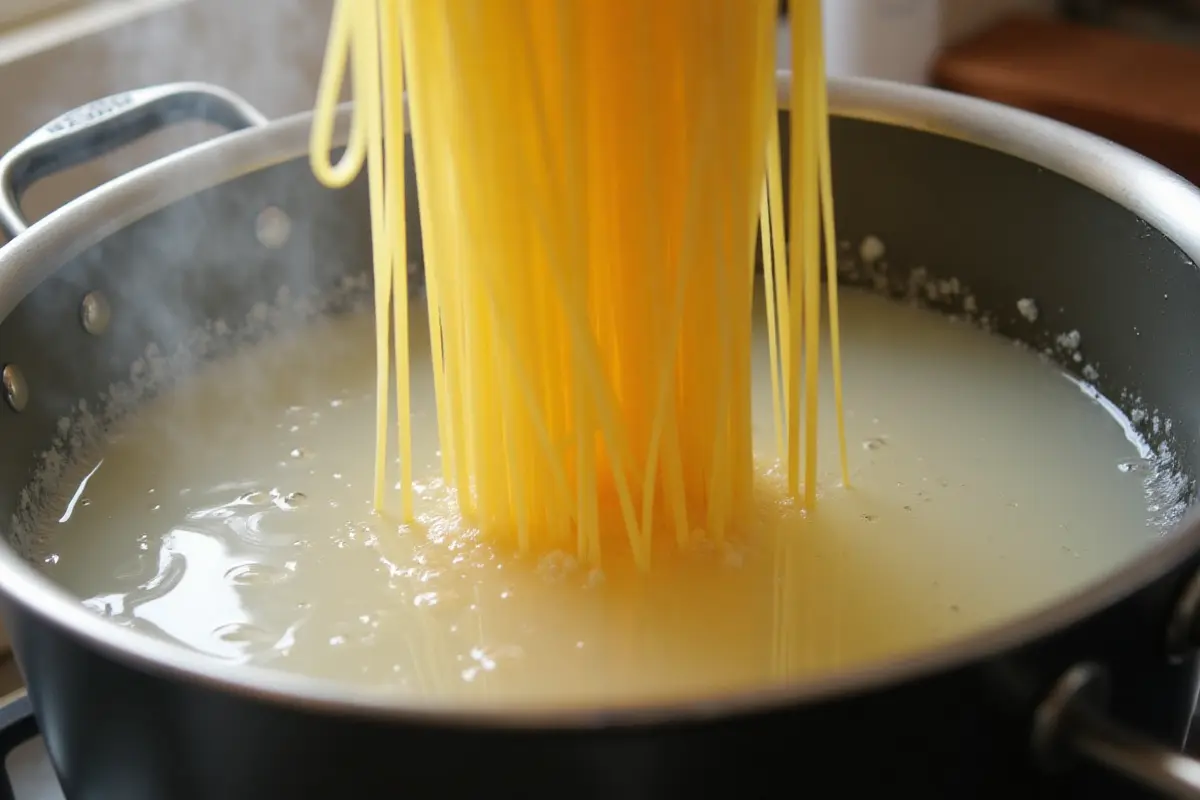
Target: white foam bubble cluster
[1168,488]
[80,432]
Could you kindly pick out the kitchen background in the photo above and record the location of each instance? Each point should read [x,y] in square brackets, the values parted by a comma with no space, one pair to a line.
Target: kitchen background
[1131,73]
[57,54]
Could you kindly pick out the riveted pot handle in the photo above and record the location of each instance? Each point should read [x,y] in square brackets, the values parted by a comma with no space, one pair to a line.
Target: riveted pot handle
[1071,723]
[102,126]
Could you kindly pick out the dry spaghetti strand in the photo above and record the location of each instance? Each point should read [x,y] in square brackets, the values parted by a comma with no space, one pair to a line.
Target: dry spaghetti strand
[592,182]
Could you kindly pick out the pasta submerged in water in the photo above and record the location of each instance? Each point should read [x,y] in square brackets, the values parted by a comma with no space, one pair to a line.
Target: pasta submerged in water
[592,177]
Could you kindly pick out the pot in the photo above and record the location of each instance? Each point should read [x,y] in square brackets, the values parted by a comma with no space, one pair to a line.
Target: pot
[1012,204]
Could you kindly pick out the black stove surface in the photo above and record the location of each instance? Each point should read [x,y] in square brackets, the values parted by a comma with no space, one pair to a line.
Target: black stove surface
[28,774]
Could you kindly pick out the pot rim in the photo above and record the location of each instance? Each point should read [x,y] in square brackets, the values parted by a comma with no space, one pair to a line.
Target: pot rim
[1161,198]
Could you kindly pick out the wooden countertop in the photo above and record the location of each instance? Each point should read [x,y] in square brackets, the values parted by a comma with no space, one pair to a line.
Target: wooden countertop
[1137,91]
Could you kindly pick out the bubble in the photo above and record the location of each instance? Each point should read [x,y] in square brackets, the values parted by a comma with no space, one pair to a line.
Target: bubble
[251,574]
[101,606]
[871,249]
[254,499]
[300,452]
[487,659]
[293,500]
[1069,340]
[243,633]
[556,566]
[220,512]
[1028,308]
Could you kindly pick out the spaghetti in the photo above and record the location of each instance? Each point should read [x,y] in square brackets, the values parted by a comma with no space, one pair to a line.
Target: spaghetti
[591,179]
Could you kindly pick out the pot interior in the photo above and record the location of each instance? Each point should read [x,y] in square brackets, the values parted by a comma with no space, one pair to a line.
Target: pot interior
[952,226]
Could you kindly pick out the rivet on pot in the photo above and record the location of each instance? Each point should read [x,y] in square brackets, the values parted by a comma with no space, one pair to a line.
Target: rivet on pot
[16,391]
[1183,631]
[272,227]
[95,313]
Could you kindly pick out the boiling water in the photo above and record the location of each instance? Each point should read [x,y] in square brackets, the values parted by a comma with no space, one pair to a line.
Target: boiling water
[232,515]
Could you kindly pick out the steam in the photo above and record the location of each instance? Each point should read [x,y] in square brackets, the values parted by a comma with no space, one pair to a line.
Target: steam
[206,259]
[267,51]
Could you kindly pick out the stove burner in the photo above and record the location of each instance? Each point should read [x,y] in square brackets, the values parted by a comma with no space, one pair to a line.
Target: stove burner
[27,773]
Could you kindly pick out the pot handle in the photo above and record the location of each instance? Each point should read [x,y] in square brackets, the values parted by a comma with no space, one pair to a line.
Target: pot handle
[1071,723]
[104,125]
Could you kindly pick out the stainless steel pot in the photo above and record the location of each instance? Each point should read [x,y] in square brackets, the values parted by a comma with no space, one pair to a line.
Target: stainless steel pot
[1011,204]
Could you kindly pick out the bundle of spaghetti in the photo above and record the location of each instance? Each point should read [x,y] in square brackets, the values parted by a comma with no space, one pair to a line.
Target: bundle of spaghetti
[590,179]
[793,305]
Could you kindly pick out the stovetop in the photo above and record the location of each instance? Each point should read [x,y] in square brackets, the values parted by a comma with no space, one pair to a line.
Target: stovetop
[27,773]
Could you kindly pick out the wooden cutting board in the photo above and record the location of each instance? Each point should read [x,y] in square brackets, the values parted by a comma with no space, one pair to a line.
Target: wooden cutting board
[1139,92]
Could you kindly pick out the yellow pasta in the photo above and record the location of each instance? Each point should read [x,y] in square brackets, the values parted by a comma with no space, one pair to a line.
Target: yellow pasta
[592,177]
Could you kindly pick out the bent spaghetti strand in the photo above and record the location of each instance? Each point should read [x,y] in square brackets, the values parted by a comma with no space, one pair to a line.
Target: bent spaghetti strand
[593,177]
